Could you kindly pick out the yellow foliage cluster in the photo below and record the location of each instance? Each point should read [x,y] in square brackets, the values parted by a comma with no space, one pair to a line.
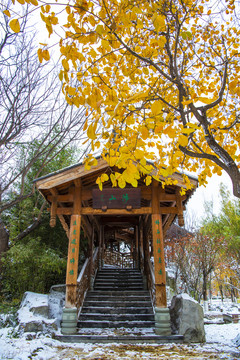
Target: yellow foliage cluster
[160,77]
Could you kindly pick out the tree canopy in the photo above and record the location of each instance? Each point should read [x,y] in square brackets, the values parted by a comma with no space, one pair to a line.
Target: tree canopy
[160,77]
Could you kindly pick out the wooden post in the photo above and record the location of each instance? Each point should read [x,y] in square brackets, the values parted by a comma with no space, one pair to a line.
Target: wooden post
[100,248]
[158,248]
[73,249]
[137,247]
[91,240]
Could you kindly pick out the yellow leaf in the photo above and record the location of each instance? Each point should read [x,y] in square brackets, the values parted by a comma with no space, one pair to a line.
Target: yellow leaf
[21,2]
[148,180]
[121,182]
[46,55]
[71,90]
[34,2]
[183,140]
[144,133]
[104,177]
[205,100]
[40,57]
[85,126]
[91,133]
[7,12]
[113,180]
[156,107]
[14,25]
[159,22]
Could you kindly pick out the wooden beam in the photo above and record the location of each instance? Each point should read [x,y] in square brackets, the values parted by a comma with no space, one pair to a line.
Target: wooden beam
[91,211]
[61,198]
[180,208]
[64,224]
[158,248]
[53,210]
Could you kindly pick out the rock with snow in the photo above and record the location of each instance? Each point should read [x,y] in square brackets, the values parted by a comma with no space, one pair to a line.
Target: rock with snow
[33,315]
[56,302]
[236,341]
[187,318]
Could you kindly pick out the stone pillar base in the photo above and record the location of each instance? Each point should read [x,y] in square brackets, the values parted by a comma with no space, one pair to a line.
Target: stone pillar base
[69,321]
[162,321]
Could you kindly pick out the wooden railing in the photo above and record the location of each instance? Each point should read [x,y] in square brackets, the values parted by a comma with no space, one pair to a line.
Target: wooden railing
[118,259]
[151,281]
[147,270]
[87,273]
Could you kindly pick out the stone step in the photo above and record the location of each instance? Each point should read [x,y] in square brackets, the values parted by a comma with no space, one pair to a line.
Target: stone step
[118,281]
[116,317]
[119,288]
[114,298]
[115,324]
[127,293]
[122,339]
[117,309]
[121,276]
[117,303]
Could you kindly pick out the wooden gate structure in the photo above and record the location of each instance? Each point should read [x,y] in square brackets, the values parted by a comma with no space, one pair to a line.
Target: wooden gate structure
[138,217]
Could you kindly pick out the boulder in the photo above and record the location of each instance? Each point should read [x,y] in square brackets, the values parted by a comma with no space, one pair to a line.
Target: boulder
[237,340]
[56,302]
[187,318]
[33,315]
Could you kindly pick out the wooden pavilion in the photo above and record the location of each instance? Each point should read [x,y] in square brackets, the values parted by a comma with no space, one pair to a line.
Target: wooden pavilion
[138,217]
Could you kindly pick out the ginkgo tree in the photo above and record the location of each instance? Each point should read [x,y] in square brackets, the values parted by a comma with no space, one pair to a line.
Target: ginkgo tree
[161,77]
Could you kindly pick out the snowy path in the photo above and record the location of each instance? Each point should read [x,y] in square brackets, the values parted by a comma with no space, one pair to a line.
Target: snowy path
[219,346]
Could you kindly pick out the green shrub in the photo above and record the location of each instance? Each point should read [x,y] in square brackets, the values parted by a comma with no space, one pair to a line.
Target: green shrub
[31,266]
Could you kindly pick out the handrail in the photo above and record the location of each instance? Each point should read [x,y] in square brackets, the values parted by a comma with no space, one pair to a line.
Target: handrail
[84,278]
[151,282]
[80,276]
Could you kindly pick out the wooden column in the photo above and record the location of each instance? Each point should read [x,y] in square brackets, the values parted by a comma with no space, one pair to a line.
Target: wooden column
[158,248]
[90,254]
[73,249]
[100,248]
[137,247]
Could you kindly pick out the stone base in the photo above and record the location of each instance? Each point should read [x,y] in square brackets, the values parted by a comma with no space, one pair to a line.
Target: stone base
[69,321]
[162,321]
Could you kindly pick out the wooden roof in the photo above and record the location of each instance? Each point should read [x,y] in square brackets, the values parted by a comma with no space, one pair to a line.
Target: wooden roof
[64,177]
[60,184]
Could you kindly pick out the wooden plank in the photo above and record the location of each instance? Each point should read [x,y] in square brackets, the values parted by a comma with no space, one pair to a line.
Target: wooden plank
[116,198]
[61,198]
[72,262]
[68,175]
[91,211]
[158,248]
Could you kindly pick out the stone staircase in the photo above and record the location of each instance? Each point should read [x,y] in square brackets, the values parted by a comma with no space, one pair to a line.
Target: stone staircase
[117,301]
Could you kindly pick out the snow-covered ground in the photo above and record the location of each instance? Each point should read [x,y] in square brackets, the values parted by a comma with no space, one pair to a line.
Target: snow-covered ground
[220,344]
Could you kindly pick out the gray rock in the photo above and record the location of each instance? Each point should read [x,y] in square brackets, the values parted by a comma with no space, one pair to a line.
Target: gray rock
[187,318]
[33,315]
[56,302]
[237,340]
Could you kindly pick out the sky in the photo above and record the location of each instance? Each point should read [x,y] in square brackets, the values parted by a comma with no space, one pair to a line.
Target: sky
[209,193]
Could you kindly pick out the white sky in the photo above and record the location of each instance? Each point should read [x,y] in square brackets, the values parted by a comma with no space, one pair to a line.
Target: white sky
[208,193]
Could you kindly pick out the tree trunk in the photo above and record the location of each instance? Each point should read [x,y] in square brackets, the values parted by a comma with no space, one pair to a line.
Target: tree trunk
[4,238]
